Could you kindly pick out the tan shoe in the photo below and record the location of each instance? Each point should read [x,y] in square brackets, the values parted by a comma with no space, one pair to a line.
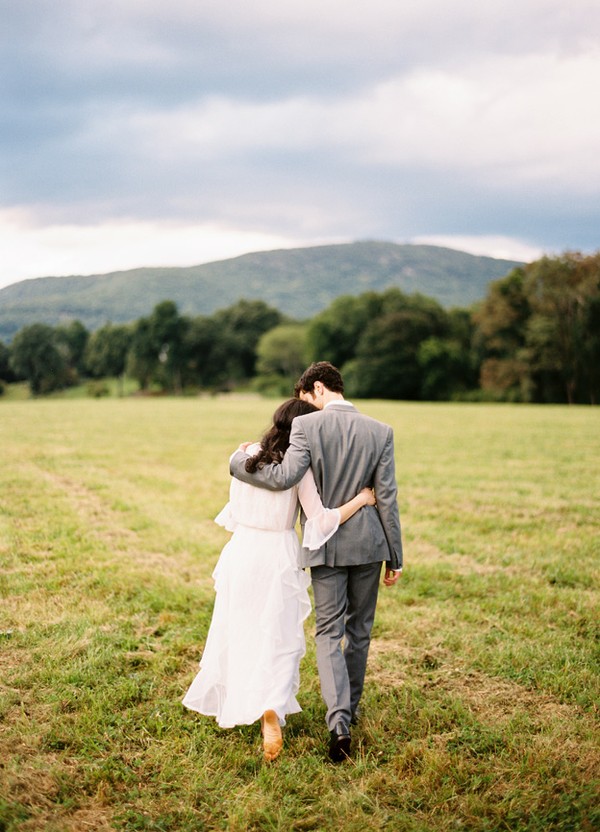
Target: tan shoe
[272,738]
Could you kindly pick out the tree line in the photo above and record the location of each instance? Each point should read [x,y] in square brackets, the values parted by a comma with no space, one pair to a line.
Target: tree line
[534,338]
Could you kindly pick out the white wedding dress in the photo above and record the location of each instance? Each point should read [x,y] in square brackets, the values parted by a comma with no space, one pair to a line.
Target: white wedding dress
[251,659]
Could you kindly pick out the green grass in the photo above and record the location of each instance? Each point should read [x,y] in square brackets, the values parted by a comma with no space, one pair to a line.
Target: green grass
[481,702]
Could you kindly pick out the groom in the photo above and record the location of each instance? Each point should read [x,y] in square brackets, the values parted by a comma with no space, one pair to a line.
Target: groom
[347,451]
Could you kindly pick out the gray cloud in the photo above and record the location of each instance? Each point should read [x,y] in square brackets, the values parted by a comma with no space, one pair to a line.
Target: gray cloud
[308,119]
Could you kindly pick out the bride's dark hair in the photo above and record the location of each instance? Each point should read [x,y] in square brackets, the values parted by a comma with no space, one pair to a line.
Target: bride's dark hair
[276,440]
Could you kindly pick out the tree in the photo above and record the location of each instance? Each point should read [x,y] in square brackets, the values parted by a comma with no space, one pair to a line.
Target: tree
[106,352]
[590,357]
[204,353]
[281,358]
[538,331]
[157,348]
[461,334]
[141,358]
[6,371]
[166,330]
[241,327]
[501,332]
[72,339]
[215,352]
[36,356]
[333,334]
[562,293]
[445,369]
[386,364]
[282,351]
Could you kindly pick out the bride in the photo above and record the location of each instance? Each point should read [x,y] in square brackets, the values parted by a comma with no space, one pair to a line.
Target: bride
[250,665]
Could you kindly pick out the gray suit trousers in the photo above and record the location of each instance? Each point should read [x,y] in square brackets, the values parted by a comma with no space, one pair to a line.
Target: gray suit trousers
[345,601]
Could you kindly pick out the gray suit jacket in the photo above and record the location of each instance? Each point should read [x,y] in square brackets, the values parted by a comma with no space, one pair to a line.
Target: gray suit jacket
[347,451]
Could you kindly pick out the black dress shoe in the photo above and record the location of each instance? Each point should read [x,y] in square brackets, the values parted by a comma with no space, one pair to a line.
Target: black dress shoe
[339,744]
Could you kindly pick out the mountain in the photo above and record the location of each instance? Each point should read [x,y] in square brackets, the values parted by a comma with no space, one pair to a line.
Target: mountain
[299,282]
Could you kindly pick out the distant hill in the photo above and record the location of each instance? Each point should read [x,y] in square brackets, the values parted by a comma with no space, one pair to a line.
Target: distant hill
[299,282]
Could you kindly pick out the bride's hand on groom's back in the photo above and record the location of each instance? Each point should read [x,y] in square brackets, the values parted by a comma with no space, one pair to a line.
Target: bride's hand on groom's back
[243,447]
[369,495]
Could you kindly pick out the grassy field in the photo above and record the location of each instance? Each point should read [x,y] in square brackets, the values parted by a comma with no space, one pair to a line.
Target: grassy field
[481,703]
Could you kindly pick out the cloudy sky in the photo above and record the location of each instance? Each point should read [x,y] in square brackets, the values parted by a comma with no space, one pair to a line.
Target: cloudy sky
[155,132]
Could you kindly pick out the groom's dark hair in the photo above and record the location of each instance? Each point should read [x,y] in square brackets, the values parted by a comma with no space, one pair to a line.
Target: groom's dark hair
[329,376]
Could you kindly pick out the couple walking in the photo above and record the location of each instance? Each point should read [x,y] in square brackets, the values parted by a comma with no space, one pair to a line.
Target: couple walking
[322,453]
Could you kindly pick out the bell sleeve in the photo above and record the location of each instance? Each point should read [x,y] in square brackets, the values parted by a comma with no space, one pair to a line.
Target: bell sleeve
[321,523]
[225,518]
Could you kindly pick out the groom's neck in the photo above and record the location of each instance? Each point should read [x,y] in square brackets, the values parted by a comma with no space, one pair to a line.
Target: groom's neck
[329,396]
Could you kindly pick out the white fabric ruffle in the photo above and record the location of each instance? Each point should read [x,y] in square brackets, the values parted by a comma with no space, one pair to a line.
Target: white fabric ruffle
[256,639]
